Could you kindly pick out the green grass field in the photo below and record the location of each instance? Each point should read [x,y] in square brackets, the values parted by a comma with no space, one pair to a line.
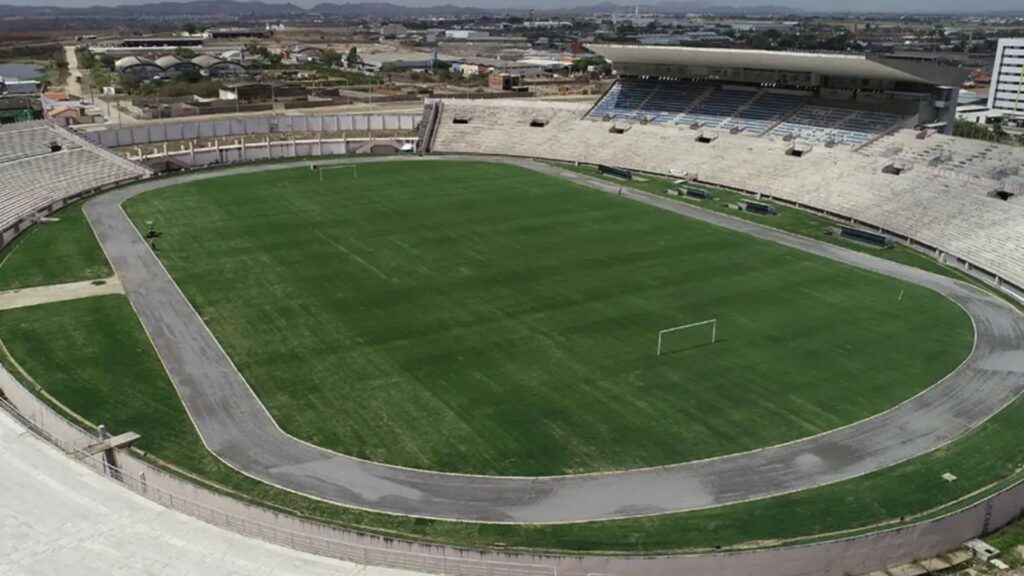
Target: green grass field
[61,251]
[93,356]
[482,318]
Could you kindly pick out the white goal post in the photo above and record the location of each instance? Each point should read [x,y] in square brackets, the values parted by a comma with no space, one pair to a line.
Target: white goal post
[320,169]
[714,330]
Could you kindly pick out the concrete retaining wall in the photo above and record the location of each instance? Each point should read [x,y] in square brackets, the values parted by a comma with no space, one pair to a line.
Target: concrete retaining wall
[270,124]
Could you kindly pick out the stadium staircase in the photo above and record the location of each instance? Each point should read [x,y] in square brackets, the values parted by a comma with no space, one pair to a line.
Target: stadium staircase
[432,114]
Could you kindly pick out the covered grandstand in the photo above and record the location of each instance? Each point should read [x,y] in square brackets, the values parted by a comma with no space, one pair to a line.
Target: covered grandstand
[836,99]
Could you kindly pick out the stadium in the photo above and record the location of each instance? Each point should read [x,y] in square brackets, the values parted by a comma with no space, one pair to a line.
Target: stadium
[747,312]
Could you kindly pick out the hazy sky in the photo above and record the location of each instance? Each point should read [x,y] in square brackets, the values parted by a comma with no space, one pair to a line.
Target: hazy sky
[900,6]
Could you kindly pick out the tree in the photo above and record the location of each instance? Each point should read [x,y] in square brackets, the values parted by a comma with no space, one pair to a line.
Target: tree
[185,53]
[330,58]
[352,60]
[440,66]
[190,28]
[107,61]
[583,64]
[130,84]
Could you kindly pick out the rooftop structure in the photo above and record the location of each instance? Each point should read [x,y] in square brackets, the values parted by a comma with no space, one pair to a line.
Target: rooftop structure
[869,80]
[152,42]
[137,66]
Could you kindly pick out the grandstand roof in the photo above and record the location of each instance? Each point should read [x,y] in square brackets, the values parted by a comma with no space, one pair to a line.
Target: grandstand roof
[849,65]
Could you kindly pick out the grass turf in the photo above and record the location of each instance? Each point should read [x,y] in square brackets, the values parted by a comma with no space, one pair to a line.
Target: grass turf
[93,356]
[54,253]
[478,317]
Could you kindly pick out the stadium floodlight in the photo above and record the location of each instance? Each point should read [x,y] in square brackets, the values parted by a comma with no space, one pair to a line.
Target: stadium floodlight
[714,330]
[320,169]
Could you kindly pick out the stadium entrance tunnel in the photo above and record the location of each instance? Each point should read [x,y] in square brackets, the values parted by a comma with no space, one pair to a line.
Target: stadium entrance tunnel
[538,122]
[1002,195]
[379,148]
[896,168]
[165,165]
[620,127]
[706,138]
[799,149]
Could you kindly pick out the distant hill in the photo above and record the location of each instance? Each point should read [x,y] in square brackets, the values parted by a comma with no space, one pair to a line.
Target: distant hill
[247,8]
[384,9]
[160,9]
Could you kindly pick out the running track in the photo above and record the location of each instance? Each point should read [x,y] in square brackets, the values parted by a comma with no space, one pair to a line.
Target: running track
[236,427]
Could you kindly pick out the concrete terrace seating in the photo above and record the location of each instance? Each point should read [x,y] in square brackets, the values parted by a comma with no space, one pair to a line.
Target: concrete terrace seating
[814,123]
[951,214]
[956,158]
[31,139]
[31,180]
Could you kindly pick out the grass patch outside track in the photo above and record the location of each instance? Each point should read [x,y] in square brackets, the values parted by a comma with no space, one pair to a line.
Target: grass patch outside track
[93,355]
[54,253]
[479,317]
[1010,542]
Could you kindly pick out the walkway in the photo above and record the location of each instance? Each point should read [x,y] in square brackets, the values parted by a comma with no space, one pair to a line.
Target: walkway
[238,429]
[60,518]
[22,297]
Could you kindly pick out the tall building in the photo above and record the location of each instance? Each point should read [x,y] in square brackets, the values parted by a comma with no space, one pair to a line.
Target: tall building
[1006,93]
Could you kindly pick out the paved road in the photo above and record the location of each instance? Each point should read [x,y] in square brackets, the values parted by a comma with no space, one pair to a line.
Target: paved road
[237,428]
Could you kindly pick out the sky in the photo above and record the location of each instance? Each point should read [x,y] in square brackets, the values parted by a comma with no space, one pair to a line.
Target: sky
[896,6]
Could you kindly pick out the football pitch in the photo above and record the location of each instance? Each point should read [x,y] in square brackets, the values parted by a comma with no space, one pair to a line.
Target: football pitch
[478,317]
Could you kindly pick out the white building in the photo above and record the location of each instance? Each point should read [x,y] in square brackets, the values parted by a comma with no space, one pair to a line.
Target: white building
[1006,93]
[467,34]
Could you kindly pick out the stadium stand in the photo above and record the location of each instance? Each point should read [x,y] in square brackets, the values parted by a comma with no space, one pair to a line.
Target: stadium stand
[29,139]
[764,112]
[954,217]
[956,159]
[754,112]
[37,177]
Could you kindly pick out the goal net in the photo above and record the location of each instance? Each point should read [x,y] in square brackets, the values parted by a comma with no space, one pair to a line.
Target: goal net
[322,169]
[712,323]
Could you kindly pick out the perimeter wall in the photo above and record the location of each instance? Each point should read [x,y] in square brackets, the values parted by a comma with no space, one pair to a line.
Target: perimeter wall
[269,124]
